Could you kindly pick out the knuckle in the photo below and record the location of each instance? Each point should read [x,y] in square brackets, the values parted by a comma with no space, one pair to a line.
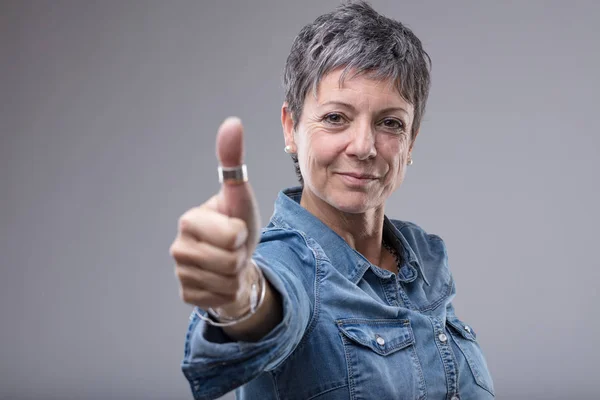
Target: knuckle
[187,219]
[238,225]
[182,222]
[187,253]
[230,265]
[188,278]
[180,274]
[184,295]
[174,248]
[184,276]
[177,251]
[237,232]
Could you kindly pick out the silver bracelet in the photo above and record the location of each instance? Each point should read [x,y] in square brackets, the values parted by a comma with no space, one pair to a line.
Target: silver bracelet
[255,302]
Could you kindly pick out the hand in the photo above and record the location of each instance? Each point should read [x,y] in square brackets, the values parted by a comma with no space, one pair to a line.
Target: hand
[215,241]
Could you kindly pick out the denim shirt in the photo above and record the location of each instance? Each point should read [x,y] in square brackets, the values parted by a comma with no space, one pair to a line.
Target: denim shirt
[350,330]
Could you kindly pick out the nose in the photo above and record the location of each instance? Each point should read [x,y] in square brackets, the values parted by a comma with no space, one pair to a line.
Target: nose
[362,142]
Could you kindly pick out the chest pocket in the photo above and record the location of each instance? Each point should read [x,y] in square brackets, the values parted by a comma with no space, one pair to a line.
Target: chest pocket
[381,359]
[466,340]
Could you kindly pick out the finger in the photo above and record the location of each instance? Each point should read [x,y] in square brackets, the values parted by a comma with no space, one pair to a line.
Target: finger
[208,257]
[205,225]
[230,142]
[190,276]
[236,199]
[212,203]
[203,298]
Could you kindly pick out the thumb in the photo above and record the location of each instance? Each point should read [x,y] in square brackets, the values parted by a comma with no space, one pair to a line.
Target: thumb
[236,199]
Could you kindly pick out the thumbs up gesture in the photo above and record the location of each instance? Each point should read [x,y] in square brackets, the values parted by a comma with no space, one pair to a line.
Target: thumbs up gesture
[215,241]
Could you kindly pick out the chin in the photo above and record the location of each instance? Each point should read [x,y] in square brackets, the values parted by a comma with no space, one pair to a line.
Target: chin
[351,202]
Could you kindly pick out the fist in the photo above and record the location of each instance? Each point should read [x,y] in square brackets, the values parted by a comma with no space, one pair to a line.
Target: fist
[215,241]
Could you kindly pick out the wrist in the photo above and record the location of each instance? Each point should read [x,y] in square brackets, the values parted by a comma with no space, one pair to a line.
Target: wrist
[242,305]
[250,297]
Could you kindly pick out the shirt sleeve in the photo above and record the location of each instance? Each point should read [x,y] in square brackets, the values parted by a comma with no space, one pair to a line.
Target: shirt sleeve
[213,364]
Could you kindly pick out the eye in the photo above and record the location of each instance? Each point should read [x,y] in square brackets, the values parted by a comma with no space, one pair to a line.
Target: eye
[393,124]
[334,119]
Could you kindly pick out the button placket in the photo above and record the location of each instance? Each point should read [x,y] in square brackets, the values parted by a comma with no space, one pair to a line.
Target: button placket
[450,368]
[390,290]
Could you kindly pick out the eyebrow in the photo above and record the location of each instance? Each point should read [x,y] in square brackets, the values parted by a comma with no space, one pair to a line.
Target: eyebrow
[351,107]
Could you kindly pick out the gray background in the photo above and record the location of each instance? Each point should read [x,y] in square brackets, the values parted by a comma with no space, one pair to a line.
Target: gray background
[108,118]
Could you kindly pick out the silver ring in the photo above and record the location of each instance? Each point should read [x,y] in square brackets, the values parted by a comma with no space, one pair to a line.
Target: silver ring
[233,175]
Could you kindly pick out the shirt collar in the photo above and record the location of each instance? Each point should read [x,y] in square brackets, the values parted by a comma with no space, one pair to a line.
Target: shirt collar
[289,213]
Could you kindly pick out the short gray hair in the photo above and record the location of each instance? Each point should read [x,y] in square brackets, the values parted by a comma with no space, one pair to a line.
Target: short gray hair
[356,37]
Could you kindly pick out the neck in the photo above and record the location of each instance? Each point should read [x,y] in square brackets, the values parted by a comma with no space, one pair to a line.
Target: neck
[363,231]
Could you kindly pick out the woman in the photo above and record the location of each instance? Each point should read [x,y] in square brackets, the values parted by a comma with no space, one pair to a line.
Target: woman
[332,300]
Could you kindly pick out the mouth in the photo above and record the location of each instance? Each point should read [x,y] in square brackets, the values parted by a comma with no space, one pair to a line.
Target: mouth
[359,175]
[357,180]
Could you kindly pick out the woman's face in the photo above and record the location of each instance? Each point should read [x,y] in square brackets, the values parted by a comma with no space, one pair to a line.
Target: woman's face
[353,141]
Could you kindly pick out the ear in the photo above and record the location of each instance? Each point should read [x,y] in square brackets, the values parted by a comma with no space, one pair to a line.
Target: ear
[287,122]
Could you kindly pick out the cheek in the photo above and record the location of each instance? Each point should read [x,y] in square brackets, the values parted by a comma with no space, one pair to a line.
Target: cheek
[319,150]
[396,152]
[402,163]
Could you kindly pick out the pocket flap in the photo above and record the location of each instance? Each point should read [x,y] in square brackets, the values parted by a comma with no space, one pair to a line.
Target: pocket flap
[383,336]
[463,329]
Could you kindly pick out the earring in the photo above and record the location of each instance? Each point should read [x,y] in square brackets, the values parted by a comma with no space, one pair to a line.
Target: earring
[410,161]
[288,149]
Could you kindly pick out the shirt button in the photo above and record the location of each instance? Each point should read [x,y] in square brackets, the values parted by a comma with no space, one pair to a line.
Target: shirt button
[442,337]
[380,340]
[467,328]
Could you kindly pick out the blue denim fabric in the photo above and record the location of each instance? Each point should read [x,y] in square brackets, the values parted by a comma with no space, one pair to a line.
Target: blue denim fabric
[350,329]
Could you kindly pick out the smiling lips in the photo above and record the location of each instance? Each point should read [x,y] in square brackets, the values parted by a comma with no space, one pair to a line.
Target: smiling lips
[357,179]
[358,175]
